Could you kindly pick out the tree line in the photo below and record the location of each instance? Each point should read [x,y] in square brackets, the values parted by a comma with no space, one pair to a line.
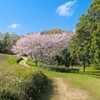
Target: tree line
[85,47]
[75,48]
[86,42]
[7,40]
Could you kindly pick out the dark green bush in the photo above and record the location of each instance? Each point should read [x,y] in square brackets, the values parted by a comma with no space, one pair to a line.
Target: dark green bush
[60,69]
[30,88]
[6,94]
[33,86]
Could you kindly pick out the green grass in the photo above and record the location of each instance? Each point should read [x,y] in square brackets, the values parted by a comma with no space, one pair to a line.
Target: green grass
[86,82]
[30,62]
[10,72]
[89,81]
[16,80]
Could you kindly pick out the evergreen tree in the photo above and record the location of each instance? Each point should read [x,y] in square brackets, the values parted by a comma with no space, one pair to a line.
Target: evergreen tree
[86,42]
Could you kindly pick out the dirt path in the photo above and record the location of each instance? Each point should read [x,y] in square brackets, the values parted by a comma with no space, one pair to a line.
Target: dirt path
[63,92]
[23,62]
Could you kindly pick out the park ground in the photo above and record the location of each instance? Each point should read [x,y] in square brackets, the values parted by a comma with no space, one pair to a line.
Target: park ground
[62,86]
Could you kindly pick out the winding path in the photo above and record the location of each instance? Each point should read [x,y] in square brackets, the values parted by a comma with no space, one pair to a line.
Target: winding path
[23,62]
[61,90]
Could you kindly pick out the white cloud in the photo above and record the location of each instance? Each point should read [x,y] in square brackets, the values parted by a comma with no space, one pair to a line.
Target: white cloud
[14,26]
[67,8]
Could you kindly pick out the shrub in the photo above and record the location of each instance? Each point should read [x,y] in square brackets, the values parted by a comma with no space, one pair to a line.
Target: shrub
[33,86]
[18,82]
[60,69]
[30,88]
[6,94]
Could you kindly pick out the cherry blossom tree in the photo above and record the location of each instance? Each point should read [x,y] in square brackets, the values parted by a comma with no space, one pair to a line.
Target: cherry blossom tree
[42,47]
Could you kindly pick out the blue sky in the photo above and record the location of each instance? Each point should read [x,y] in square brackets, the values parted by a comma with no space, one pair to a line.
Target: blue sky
[22,16]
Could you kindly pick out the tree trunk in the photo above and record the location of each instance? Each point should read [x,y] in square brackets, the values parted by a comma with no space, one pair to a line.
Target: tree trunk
[36,63]
[84,68]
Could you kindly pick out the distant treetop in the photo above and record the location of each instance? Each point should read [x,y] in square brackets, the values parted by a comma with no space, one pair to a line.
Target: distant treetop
[52,31]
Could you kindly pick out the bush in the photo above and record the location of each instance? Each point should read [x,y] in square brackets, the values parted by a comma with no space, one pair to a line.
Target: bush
[33,86]
[5,94]
[18,82]
[30,88]
[60,69]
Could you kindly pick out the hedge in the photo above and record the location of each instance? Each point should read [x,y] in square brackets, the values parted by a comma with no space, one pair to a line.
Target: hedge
[60,69]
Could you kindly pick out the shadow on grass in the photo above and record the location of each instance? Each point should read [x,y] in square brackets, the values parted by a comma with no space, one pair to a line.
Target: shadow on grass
[49,92]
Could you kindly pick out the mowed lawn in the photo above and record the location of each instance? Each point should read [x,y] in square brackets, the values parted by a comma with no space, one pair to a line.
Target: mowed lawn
[89,83]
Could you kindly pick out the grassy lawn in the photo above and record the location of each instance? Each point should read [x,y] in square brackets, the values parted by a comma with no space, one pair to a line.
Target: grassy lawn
[15,79]
[10,72]
[89,81]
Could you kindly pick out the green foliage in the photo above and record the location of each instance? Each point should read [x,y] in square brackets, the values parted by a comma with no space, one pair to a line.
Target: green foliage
[53,31]
[60,69]
[86,42]
[36,84]
[30,87]
[19,82]
[58,59]
[89,81]
[31,63]
[63,58]
[8,95]
[7,40]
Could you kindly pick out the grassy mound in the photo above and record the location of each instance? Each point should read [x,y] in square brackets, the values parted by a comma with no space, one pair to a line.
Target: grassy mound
[18,82]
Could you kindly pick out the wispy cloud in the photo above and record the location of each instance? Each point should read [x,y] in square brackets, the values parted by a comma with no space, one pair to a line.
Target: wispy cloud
[14,26]
[67,9]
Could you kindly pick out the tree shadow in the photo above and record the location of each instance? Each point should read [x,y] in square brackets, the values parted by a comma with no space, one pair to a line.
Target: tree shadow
[49,91]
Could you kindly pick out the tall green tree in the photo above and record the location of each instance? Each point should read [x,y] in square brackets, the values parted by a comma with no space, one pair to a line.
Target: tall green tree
[86,42]
[94,15]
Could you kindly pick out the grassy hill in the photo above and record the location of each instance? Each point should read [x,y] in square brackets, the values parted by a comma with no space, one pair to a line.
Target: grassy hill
[18,82]
[14,79]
